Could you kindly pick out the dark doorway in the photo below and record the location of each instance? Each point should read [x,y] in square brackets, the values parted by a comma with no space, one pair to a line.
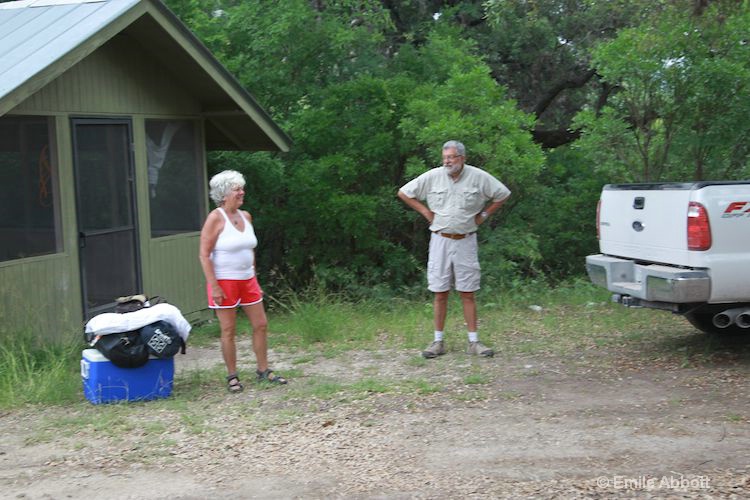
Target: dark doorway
[105,197]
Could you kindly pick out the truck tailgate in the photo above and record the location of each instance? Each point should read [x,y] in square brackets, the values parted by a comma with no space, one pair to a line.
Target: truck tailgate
[648,223]
[645,224]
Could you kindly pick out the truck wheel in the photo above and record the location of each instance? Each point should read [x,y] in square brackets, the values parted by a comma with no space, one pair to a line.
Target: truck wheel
[703,321]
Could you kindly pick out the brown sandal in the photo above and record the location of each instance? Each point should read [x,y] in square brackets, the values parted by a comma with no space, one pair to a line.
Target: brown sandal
[233,383]
[268,375]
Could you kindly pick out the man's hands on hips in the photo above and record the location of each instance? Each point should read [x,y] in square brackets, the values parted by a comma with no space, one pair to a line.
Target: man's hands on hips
[420,207]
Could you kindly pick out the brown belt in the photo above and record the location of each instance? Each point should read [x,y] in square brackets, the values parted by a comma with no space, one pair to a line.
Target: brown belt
[454,236]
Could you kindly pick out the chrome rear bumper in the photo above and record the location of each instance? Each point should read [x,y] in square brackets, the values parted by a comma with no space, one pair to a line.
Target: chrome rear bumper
[650,282]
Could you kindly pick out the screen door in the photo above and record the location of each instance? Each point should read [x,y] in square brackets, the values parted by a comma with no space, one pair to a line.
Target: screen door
[105,197]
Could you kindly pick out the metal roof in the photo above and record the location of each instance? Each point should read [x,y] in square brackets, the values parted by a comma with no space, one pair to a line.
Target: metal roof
[41,39]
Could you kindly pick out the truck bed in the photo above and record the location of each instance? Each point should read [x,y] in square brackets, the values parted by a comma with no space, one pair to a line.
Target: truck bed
[647,225]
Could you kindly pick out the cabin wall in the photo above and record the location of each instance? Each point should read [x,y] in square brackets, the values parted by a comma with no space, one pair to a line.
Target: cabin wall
[120,79]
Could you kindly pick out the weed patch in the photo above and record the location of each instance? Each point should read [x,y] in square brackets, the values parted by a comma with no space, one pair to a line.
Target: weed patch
[33,370]
[571,318]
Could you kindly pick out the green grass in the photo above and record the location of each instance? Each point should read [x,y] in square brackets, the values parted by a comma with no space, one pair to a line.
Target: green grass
[371,385]
[33,370]
[319,388]
[205,334]
[308,358]
[108,420]
[476,378]
[423,387]
[573,318]
[315,322]
[332,325]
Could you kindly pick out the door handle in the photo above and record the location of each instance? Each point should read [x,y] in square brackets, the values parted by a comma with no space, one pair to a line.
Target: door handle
[81,239]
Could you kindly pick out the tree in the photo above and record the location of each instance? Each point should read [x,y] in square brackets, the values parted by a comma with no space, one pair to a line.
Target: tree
[683,98]
[365,137]
[369,90]
[542,51]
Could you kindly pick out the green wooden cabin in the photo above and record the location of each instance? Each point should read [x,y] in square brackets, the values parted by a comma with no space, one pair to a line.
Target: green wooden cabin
[107,109]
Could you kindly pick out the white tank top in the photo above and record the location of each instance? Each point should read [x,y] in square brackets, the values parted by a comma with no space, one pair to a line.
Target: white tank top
[233,255]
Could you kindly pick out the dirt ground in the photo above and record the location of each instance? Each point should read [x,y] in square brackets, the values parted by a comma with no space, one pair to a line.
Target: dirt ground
[591,424]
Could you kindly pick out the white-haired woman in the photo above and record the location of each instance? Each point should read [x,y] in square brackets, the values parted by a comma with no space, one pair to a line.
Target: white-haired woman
[228,260]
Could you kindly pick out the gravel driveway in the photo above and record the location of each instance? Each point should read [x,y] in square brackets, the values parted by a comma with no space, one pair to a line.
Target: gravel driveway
[591,424]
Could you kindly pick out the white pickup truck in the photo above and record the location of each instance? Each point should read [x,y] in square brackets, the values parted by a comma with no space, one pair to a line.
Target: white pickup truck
[681,247]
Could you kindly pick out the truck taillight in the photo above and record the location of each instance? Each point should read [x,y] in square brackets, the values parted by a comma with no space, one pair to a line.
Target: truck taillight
[598,213]
[698,227]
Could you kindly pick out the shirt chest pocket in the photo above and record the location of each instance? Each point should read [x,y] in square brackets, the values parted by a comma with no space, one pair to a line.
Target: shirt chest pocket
[471,199]
[436,198]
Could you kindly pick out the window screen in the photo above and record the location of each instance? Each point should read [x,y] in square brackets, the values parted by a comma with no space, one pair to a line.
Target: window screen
[29,214]
[175,177]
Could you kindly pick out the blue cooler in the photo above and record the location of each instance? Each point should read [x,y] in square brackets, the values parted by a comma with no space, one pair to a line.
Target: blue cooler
[103,382]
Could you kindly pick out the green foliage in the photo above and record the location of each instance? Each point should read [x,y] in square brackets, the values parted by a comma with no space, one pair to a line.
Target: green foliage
[314,318]
[559,210]
[285,52]
[505,255]
[683,98]
[471,106]
[32,370]
[369,91]
[327,211]
[535,46]
[572,316]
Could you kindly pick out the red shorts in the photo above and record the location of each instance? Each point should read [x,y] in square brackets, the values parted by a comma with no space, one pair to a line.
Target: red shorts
[236,293]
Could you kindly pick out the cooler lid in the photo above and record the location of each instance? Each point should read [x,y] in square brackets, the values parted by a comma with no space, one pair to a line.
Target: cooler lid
[94,356]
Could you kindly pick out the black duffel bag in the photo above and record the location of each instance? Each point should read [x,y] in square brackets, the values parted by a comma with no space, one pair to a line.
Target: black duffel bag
[123,349]
[161,339]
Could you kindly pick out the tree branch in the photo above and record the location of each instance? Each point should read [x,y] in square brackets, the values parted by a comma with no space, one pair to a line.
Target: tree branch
[606,91]
[552,93]
[554,138]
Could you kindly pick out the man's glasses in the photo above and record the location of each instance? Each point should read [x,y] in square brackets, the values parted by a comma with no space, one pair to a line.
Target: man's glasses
[451,157]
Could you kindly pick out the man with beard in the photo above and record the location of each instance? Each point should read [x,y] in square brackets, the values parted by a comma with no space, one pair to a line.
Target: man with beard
[457,195]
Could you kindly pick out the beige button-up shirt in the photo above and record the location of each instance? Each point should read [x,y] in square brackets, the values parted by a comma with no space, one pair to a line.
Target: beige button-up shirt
[456,203]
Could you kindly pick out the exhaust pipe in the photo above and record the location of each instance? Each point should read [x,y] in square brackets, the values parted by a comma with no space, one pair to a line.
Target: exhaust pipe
[743,319]
[727,318]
